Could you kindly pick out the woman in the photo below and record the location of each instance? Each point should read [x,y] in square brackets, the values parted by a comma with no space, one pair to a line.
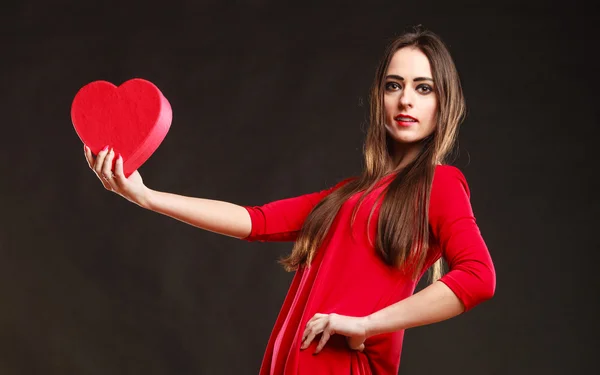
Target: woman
[361,246]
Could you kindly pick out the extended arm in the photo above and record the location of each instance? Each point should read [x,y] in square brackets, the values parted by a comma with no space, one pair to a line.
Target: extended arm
[212,215]
[275,221]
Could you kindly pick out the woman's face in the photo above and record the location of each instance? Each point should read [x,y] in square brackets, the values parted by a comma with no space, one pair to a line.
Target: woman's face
[410,101]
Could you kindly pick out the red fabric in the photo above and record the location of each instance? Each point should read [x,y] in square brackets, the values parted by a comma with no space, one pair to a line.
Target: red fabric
[346,257]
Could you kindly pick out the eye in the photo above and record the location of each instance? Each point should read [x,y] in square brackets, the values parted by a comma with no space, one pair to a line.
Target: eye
[392,86]
[427,88]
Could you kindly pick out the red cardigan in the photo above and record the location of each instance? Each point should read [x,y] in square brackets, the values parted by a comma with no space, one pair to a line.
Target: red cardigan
[348,277]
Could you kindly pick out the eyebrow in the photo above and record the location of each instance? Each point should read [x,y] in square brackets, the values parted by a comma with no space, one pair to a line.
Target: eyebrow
[418,79]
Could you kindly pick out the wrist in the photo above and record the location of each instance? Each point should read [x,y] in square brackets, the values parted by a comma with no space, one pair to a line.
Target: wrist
[367,323]
[146,199]
[376,324]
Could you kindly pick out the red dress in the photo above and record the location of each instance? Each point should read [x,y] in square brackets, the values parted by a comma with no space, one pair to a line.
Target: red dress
[347,277]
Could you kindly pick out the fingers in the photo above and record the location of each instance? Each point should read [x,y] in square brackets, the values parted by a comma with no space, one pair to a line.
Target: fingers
[309,334]
[107,170]
[308,339]
[107,165]
[100,161]
[119,174]
[309,327]
[328,325]
[324,338]
[315,326]
[97,164]
[88,156]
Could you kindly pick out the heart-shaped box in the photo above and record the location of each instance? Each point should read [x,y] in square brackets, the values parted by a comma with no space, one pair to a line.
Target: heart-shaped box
[133,119]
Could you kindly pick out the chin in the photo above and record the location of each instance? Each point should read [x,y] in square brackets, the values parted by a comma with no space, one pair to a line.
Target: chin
[406,138]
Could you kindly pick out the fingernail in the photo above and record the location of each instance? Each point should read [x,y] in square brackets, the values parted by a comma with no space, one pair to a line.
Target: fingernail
[105,148]
[120,157]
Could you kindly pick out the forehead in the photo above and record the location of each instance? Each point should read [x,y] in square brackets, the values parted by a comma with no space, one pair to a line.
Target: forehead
[409,62]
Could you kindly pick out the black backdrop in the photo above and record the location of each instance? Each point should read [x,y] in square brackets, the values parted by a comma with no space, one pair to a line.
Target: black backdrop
[269,102]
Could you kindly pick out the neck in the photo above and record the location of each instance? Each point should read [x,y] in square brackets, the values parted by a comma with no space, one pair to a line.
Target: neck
[404,154]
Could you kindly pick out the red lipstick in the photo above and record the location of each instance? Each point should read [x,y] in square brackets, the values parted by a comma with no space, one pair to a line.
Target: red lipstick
[405,120]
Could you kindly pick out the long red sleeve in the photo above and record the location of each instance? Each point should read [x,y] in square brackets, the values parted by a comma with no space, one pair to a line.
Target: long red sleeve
[282,219]
[472,276]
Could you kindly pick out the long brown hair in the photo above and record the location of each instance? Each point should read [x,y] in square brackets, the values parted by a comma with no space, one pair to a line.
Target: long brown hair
[403,234]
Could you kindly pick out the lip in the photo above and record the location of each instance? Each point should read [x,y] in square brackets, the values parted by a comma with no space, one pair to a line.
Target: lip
[404,115]
[405,123]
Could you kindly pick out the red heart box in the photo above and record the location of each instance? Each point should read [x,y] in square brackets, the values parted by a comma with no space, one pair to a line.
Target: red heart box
[133,118]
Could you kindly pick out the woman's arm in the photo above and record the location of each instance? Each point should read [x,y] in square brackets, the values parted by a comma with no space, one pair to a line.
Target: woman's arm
[433,304]
[275,221]
[212,215]
[471,279]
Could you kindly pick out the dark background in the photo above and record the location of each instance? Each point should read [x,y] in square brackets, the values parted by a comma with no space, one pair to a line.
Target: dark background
[269,101]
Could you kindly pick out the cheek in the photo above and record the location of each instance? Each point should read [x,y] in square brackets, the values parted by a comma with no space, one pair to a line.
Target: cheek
[431,112]
[388,106]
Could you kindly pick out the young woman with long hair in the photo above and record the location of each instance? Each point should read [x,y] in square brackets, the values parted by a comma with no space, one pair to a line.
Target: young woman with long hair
[361,246]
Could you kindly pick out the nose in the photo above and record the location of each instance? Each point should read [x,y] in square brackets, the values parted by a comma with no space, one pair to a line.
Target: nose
[406,99]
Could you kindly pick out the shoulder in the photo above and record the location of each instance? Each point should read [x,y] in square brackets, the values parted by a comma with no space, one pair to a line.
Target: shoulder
[448,180]
[450,197]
